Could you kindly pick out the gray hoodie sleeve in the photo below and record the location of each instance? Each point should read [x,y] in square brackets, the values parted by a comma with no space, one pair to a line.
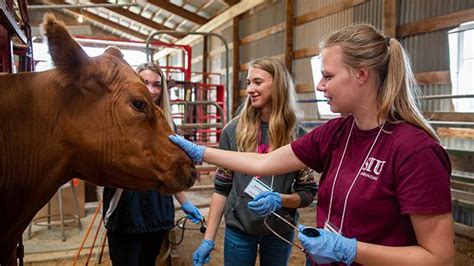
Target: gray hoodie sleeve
[224,177]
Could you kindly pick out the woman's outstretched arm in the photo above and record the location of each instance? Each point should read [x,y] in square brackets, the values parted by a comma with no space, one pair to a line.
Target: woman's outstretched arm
[279,161]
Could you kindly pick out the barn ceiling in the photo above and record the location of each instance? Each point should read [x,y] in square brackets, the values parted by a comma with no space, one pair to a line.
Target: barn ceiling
[136,19]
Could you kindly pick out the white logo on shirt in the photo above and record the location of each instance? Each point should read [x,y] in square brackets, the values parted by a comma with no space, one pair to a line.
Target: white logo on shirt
[372,165]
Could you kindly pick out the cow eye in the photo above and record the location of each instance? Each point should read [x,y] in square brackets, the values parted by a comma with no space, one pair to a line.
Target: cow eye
[139,105]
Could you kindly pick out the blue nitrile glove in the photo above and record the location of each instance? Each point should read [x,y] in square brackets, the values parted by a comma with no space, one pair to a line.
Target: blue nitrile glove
[194,151]
[192,212]
[202,255]
[265,202]
[329,247]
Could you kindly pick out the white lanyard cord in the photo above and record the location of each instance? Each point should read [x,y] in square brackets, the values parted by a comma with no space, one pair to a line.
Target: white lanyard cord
[356,177]
[337,171]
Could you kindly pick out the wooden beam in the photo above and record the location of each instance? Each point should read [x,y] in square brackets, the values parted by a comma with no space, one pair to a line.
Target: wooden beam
[289,32]
[237,9]
[467,133]
[115,26]
[179,11]
[262,34]
[435,23]
[231,2]
[435,77]
[98,19]
[304,88]
[327,10]
[450,116]
[140,19]
[205,56]
[390,17]
[306,52]
[235,63]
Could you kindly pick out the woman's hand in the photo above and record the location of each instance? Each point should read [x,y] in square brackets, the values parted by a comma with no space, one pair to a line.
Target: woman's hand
[202,255]
[329,247]
[192,212]
[194,151]
[265,203]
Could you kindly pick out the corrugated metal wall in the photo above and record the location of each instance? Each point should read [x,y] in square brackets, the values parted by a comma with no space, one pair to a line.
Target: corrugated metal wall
[260,20]
[312,33]
[430,52]
[421,48]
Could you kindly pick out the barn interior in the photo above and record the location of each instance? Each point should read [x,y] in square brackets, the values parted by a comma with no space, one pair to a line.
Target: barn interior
[205,48]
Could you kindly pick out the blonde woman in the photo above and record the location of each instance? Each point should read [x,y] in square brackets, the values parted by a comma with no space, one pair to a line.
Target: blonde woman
[384,195]
[268,121]
[138,222]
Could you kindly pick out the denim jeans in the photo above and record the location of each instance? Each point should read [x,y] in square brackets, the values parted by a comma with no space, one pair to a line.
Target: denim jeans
[240,249]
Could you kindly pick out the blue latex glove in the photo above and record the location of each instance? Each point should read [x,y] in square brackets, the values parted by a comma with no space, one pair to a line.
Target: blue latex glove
[202,255]
[194,151]
[329,247]
[192,212]
[265,202]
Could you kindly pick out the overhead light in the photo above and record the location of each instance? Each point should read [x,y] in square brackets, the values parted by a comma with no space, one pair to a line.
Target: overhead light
[80,18]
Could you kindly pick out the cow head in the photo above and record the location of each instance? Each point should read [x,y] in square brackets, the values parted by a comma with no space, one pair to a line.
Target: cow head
[118,136]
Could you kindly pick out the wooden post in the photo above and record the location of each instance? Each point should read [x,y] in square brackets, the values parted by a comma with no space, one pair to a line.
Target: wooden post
[167,73]
[289,26]
[390,17]
[235,64]
[205,55]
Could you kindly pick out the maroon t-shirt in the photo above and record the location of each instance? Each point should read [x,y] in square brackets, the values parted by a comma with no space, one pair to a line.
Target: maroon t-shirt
[407,172]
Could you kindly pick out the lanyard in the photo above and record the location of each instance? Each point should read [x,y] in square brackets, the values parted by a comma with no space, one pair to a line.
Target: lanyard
[355,178]
[263,148]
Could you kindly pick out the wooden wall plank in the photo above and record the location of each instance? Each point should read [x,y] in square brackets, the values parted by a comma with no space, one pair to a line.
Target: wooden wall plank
[467,133]
[434,77]
[435,23]
[304,88]
[450,116]
[262,34]
[306,52]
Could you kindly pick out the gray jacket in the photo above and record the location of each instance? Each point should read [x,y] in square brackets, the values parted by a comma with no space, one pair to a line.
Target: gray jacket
[232,185]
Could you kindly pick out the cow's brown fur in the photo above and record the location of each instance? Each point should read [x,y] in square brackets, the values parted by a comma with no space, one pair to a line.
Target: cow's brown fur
[78,120]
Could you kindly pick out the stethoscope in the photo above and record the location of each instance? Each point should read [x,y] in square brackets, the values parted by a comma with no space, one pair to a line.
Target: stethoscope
[181,224]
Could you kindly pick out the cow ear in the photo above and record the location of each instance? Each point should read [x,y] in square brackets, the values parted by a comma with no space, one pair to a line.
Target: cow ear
[114,51]
[66,53]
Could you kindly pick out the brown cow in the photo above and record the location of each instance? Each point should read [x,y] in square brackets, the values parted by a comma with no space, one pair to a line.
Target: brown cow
[91,118]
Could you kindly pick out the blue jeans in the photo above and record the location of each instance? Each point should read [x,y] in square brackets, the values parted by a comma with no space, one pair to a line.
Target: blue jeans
[240,249]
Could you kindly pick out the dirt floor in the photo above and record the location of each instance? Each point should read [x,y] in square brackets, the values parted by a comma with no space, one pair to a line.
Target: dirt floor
[45,247]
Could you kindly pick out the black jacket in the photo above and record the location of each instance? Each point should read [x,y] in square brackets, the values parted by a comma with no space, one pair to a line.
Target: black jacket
[139,212]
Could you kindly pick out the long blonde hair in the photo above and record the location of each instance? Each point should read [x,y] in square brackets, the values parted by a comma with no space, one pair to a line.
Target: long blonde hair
[363,45]
[164,100]
[285,112]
